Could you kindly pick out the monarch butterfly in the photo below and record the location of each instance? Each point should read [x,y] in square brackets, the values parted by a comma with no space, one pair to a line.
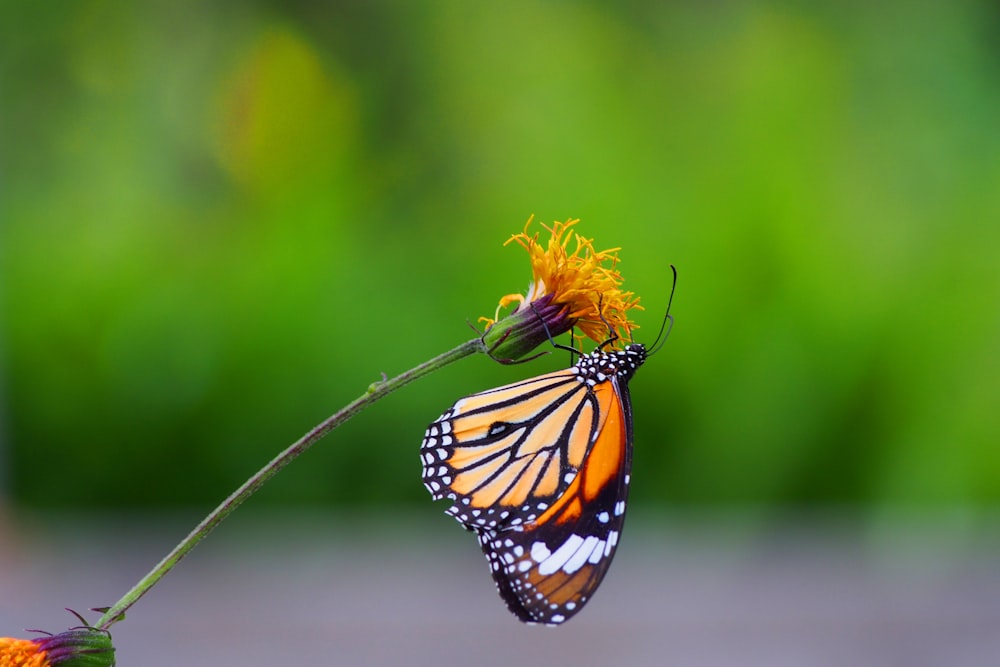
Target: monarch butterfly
[539,470]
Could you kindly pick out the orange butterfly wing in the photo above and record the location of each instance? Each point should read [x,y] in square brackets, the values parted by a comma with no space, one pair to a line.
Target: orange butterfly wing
[539,469]
[504,455]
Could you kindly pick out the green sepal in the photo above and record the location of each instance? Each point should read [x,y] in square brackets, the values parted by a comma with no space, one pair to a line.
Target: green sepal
[79,647]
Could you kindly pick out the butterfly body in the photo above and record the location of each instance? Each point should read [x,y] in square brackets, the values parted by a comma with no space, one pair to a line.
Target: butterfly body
[540,470]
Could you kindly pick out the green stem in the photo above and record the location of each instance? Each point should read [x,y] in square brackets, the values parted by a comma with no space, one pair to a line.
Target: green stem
[376,391]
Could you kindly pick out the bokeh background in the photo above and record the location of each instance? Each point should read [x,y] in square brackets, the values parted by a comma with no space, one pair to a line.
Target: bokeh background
[222,222]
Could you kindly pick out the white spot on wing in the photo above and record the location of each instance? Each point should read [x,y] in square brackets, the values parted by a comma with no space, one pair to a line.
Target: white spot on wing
[560,555]
[612,541]
[578,559]
[540,552]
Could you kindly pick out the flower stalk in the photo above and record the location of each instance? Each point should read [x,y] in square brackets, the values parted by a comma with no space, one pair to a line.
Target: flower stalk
[376,391]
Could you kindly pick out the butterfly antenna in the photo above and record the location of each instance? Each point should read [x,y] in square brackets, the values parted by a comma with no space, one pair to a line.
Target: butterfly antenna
[668,319]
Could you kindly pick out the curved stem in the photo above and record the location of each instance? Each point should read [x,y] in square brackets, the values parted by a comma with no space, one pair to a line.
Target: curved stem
[376,391]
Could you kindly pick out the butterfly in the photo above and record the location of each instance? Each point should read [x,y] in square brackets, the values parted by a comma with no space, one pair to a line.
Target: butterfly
[539,470]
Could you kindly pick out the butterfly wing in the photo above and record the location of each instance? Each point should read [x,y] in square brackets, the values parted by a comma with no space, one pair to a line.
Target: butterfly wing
[548,569]
[539,470]
[504,455]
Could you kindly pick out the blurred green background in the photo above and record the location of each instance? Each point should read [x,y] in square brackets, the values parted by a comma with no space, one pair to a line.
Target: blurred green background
[221,223]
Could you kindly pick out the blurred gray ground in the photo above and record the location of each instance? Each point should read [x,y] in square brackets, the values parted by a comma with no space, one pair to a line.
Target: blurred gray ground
[405,589]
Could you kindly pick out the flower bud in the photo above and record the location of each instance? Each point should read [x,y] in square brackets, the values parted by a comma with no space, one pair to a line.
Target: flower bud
[79,647]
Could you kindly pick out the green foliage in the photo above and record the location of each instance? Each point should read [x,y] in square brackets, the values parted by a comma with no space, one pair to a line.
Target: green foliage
[221,224]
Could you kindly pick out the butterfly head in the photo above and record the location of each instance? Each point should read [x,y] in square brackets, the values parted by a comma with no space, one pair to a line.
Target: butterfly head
[637,350]
[600,365]
[629,359]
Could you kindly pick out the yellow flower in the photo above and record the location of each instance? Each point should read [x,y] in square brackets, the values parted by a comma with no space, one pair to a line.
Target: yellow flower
[579,289]
[21,653]
[79,647]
